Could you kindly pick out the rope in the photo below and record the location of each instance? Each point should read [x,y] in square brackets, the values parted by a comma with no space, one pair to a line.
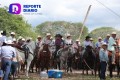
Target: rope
[84,21]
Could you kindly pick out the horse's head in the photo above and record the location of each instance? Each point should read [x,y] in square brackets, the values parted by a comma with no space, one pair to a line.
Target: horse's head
[45,47]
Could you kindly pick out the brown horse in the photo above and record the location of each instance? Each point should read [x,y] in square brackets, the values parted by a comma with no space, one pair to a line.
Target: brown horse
[117,59]
[44,57]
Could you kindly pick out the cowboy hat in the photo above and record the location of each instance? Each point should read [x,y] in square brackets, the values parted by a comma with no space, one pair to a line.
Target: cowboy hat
[12,33]
[91,39]
[108,34]
[99,38]
[58,35]
[104,44]
[68,35]
[48,34]
[77,40]
[113,32]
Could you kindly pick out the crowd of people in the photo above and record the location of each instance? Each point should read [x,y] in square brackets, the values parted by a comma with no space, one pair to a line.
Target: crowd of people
[10,57]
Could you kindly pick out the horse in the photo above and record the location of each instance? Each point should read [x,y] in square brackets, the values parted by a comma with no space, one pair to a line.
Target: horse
[88,59]
[117,59]
[62,56]
[44,57]
[28,55]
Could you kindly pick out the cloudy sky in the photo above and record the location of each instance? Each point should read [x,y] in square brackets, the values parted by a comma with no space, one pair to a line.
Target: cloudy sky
[73,11]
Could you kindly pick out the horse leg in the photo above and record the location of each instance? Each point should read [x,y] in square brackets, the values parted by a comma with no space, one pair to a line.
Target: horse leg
[118,69]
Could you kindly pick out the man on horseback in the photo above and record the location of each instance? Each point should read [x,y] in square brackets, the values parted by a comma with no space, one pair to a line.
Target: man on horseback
[68,41]
[12,36]
[111,46]
[99,43]
[107,38]
[59,43]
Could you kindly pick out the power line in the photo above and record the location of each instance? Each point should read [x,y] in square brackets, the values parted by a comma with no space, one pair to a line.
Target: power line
[108,8]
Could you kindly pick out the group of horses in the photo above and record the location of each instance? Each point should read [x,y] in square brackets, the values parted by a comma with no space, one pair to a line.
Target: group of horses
[66,58]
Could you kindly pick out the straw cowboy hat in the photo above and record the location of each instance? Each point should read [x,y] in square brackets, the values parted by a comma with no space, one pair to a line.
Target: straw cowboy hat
[113,32]
[48,34]
[91,39]
[68,35]
[77,40]
[39,36]
[108,34]
[104,44]
[99,38]
[12,33]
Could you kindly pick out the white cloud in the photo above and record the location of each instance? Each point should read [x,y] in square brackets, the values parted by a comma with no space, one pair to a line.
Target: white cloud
[73,10]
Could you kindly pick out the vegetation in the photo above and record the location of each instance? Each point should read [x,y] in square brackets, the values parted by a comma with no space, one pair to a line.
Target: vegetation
[63,28]
[16,23]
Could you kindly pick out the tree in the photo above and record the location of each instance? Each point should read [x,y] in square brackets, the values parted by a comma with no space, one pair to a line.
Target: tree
[16,23]
[62,27]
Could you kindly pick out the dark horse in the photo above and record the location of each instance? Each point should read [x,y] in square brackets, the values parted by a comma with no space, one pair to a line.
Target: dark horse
[88,59]
[44,57]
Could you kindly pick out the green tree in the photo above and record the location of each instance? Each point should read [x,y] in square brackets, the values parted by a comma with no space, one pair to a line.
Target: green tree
[16,23]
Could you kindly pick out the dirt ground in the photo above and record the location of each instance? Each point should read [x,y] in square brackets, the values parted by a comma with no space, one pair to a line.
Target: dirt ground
[76,75]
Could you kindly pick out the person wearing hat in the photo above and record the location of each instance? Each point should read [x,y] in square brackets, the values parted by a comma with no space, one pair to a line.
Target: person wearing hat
[103,56]
[39,41]
[92,43]
[87,42]
[107,38]
[7,53]
[99,43]
[12,36]
[59,43]
[68,40]
[47,40]
[111,45]
[3,38]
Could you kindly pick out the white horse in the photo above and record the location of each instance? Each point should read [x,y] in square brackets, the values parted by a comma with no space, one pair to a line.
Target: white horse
[63,54]
[31,46]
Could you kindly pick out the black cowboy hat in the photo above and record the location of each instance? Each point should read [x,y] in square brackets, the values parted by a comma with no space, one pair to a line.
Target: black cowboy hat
[87,37]
[58,35]
[4,32]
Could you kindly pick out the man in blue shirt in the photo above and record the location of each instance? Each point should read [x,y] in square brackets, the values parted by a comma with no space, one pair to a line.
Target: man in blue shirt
[7,53]
[103,55]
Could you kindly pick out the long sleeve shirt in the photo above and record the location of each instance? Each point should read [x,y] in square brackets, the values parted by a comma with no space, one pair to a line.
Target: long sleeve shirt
[7,52]
[103,55]
[111,42]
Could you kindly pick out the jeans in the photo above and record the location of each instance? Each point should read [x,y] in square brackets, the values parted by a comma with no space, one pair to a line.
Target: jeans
[14,67]
[103,66]
[6,66]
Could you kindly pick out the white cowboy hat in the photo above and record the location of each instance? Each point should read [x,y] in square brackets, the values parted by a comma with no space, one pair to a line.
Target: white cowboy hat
[104,44]
[99,38]
[9,42]
[20,37]
[1,31]
[12,33]
[113,32]
[108,34]
[48,34]
[77,39]
[14,39]
[23,39]
[68,35]
[39,36]
[91,39]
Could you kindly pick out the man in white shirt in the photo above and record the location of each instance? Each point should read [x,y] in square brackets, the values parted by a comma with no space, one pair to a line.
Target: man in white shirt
[68,40]
[99,43]
[3,38]
[12,36]
[87,42]
[7,53]
[111,46]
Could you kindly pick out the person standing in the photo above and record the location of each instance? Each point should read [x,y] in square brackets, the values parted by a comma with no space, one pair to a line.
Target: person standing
[7,53]
[103,55]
